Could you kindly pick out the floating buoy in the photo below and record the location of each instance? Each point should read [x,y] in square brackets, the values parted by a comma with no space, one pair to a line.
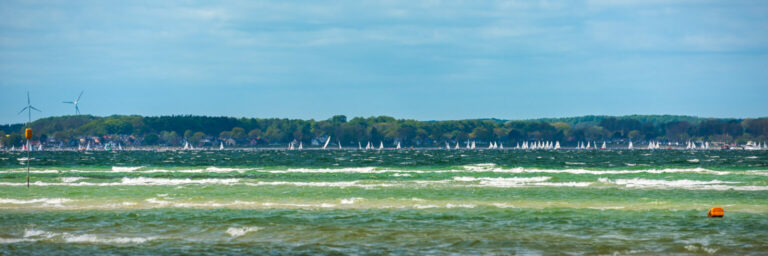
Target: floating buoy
[716,212]
[28,133]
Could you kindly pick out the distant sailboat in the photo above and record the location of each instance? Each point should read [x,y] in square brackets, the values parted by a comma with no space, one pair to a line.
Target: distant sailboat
[398,145]
[40,147]
[630,145]
[221,145]
[359,146]
[301,145]
[88,148]
[473,145]
[603,146]
[468,145]
[501,145]
[120,147]
[381,145]
[186,145]
[339,144]
[588,145]
[457,145]
[557,144]
[326,142]
[447,146]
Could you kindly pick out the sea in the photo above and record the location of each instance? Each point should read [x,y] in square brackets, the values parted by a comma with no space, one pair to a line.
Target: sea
[384,202]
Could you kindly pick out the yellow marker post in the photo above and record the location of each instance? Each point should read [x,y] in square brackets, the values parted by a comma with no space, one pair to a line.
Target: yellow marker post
[28,135]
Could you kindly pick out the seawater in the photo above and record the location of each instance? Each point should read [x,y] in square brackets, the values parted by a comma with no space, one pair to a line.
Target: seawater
[384,202]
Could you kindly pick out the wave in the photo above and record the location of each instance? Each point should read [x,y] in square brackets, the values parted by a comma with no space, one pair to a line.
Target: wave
[139,181]
[240,231]
[34,235]
[681,184]
[43,201]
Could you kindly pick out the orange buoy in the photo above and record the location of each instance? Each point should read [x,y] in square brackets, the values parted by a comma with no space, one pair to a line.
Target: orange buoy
[716,212]
[28,133]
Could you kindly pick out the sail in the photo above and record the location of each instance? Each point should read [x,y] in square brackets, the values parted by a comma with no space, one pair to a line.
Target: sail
[301,145]
[501,145]
[326,142]
[40,147]
[339,144]
[603,146]
[557,144]
[473,144]
[588,145]
[398,145]
[630,145]
[120,147]
[359,146]
[381,145]
[186,145]
[88,147]
[221,145]
[457,145]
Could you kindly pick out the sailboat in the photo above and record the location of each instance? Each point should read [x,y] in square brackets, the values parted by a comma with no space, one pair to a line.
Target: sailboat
[447,146]
[290,145]
[359,146]
[221,145]
[301,145]
[368,146]
[186,145]
[603,146]
[557,144]
[501,145]
[381,145]
[326,142]
[398,145]
[88,148]
[40,147]
[588,145]
[630,145]
[120,147]
[339,144]
[490,145]
[468,144]
[473,145]
[457,145]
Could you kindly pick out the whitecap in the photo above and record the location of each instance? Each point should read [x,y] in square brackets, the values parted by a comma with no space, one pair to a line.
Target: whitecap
[240,231]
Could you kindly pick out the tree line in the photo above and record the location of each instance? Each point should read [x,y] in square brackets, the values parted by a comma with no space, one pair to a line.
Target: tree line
[210,131]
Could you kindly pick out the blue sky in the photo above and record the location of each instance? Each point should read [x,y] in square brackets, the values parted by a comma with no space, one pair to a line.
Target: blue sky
[428,60]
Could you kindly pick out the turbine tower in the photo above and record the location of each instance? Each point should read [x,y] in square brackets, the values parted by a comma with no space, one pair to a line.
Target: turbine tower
[77,101]
[29,109]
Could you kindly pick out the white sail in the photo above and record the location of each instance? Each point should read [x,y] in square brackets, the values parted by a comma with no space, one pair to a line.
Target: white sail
[40,147]
[457,145]
[339,144]
[186,145]
[630,145]
[398,145]
[221,145]
[326,142]
[557,144]
[603,146]
[473,145]
[381,145]
[490,145]
[706,145]
[301,145]
[447,146]
[468,145]
[120,147]
[359,146]
[501,145]
[588,145]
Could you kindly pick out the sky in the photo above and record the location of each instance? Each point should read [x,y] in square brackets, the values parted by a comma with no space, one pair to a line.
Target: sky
[425,60]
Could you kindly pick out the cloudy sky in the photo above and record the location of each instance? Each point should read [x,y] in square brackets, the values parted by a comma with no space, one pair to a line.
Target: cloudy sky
[411,59]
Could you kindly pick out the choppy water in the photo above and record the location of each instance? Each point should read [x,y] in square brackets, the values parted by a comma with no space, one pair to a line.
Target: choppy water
[385,202]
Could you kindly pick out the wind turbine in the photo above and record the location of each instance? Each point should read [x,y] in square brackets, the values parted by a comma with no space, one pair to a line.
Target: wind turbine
[77,101]
[29,109]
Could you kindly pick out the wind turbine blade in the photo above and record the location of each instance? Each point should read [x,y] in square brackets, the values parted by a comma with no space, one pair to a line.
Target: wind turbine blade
[77,109]
[35,108]
[81,95]
[68,102]
[22,110]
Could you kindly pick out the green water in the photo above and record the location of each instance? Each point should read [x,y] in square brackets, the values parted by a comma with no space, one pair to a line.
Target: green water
[385,202]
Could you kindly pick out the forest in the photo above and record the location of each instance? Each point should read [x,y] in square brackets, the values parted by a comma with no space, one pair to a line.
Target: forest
[70,131]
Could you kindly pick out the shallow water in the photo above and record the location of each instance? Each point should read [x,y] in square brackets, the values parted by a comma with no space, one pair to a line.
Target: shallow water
[385,202]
